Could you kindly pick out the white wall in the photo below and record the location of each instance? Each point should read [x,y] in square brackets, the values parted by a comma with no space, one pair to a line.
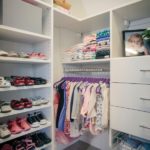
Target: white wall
[86,8]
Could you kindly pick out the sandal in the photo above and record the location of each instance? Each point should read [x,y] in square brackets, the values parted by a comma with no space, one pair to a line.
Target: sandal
[19,145]
[22,122]
[13,127]
[17,105]
[27,103]
[5,107]
[29,144]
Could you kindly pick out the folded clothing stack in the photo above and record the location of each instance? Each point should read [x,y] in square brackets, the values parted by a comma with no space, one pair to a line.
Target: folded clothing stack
[103,44]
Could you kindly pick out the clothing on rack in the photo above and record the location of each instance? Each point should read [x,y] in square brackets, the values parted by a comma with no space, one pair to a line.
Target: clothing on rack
[81,104]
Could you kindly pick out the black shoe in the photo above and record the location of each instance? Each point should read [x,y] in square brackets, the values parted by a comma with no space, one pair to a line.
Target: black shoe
[33,121]
[44,137]
[38,142]
[40,118]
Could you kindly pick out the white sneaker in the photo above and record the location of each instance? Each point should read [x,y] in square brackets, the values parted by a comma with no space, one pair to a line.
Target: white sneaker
[4,132]
[5,107]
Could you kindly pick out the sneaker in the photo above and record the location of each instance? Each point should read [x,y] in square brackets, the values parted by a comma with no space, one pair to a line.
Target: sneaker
[5,107]
[38,142]
[4,132]
[44,137]
[40,118]
[22,122]
[33,121]
[14,127]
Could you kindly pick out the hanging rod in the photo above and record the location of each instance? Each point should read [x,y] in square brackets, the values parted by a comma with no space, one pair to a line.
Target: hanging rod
[86,70]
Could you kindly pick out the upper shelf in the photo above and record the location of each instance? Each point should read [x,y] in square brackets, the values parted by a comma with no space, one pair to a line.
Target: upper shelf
[106,60]
[135,11]
[14,34]
[130,11]
[39,3]
[88,24]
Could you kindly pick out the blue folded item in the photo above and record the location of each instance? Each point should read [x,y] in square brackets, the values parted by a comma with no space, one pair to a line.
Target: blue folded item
[133,143]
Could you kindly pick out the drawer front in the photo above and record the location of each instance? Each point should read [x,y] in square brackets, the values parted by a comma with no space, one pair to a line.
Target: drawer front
[131,70]
[131,96]
[133,122]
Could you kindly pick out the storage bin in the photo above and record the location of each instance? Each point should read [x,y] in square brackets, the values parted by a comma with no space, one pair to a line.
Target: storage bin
[21,15]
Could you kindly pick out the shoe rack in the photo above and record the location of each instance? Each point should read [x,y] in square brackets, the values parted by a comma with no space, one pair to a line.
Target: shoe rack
[16,40]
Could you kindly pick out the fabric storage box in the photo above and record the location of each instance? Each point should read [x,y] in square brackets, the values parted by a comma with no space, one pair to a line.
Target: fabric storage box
[21,15]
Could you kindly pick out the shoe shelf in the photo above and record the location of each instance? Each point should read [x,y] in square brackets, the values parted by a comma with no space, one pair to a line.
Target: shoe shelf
[14,34]
[16,112]
[25,133]
[106,60]
[39,3]
[13,88]
[23,60]
[43,147]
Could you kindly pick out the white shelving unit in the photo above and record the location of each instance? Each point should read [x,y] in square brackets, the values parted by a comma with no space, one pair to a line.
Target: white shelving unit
[23,60]
[19,40]
[26,132]
[71,30]
[16,112]
[107,60]
[13,88]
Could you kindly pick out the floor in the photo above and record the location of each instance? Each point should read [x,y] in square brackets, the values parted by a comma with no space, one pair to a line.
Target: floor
[80,145]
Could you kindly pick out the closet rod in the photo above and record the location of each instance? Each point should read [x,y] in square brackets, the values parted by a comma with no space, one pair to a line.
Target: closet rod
[85,70]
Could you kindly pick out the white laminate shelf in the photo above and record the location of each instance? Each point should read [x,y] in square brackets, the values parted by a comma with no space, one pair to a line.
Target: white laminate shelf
[25,133]
[23,60]
[14,34]
[88,61]
[13,88]
[16,112]
[39,3]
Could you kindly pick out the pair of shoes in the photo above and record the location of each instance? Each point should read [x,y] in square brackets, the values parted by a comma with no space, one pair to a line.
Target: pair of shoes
[21,81]
[5,107]
[24,144]
[21,104]
[37,101]
[40,139]
[4,132]
[18,125]
[36,119]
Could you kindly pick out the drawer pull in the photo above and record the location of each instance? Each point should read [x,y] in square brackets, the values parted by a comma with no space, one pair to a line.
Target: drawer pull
[141,126]
[144,99]
[144,70]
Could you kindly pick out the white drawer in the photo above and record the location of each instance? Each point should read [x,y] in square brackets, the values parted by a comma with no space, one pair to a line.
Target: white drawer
[134,96]
[131,70]
[133,122]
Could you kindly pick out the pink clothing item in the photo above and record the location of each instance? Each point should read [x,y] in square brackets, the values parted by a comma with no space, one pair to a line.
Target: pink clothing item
[84,109]
[92,102]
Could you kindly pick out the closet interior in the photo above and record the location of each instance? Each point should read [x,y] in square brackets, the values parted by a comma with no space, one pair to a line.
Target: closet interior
[33,58]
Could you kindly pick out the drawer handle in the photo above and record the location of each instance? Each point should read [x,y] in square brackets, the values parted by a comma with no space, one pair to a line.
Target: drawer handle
[144,127]
[144,99]
[144,70]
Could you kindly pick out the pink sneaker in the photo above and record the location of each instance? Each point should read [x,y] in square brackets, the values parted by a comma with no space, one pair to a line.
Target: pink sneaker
[22,122]
[42,56]
[13,127]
